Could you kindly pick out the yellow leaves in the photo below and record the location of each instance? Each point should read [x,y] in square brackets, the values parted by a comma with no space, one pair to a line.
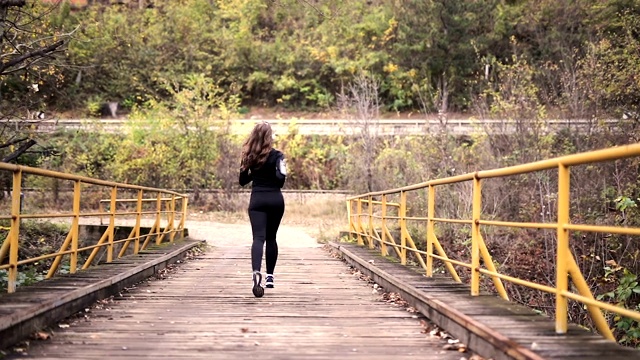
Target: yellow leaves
[390,68]
[389,34]
[318,55]
[333,51]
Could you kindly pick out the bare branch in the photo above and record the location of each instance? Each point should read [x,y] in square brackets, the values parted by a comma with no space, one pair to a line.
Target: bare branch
[42,52]
[21,150]
[8,3]
[315,8]
[13,142]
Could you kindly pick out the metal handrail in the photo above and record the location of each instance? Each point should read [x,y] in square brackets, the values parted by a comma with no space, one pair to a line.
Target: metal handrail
[566,264]
[170,207]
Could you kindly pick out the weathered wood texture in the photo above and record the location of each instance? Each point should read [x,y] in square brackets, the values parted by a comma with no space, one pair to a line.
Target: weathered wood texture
[36,306]
[318,310]
[491,326]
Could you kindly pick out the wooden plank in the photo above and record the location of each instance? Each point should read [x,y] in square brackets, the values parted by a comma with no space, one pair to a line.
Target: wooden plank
[52,300]
[490,325]
[205,309]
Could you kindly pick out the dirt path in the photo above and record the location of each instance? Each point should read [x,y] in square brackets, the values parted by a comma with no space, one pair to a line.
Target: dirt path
[239,234]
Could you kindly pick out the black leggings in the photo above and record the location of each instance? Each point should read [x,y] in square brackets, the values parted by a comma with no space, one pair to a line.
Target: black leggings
[265,212]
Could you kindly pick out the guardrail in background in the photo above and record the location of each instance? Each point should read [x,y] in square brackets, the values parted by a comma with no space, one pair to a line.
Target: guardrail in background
[375,208]
[167,208]
[415,125]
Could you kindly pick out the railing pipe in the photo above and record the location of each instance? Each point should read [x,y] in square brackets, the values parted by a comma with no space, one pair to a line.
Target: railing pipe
[112,223]
[475,237]
[136,244]
[75,225]
[562,273]
[371,229]
[14,233]
[403,227]
[431,213]
[383,221]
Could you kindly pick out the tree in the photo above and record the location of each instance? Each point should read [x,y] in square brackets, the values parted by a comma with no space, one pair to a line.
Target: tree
[29,41]
[442,42]
[361,103]
[180,143]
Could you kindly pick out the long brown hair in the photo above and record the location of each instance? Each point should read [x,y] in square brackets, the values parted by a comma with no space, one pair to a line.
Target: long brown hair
[257,146]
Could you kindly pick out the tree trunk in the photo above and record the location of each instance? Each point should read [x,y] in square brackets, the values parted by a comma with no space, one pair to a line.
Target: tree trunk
[444,91]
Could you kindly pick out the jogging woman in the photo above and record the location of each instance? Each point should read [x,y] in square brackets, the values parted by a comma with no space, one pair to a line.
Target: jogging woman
[266,168]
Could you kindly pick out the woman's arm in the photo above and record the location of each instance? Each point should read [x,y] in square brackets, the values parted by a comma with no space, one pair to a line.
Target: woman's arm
[245,177]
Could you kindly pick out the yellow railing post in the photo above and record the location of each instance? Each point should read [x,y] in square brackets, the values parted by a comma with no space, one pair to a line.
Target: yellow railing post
[431,211]
[383,244]
[112,223]
[4,249]
[350,218]
[371,245]
[583,288]
[359,221]
[14,233]
[475,237]
[185,202]
[75,224]
[403,227]
[136,244]
[173,217]
[159,219]
[562,281]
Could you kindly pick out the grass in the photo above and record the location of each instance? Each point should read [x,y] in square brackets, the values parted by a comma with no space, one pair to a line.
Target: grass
[321,218]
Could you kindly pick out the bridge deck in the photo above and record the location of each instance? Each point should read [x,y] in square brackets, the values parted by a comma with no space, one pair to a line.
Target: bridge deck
[487,323]
[318,310]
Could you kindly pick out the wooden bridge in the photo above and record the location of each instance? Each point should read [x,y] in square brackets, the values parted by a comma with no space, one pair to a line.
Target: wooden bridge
[160,293]
[329,302]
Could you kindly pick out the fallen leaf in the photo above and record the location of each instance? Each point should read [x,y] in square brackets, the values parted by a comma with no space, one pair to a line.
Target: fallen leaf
[476,357]
[41,335]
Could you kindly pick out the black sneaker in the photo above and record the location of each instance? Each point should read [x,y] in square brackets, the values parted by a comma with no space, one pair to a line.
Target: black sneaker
[258,290]
[269,282]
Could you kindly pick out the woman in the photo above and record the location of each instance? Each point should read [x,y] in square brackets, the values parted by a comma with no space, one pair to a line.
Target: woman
[266,168]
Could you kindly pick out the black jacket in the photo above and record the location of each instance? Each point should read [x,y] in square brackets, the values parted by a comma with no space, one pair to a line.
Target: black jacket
[270,176]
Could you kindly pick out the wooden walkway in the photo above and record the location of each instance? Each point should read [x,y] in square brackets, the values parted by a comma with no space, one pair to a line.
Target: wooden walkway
[317,310]
[488,324]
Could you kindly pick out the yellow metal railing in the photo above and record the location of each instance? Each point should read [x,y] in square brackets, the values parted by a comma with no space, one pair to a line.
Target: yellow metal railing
[168,212]
[377,216]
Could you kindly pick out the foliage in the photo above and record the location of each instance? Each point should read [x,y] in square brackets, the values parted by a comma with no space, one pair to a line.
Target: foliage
[30,75]
[177,144]
[185,70]
[626,295]
[428,55]
[36,239]
[313,161]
